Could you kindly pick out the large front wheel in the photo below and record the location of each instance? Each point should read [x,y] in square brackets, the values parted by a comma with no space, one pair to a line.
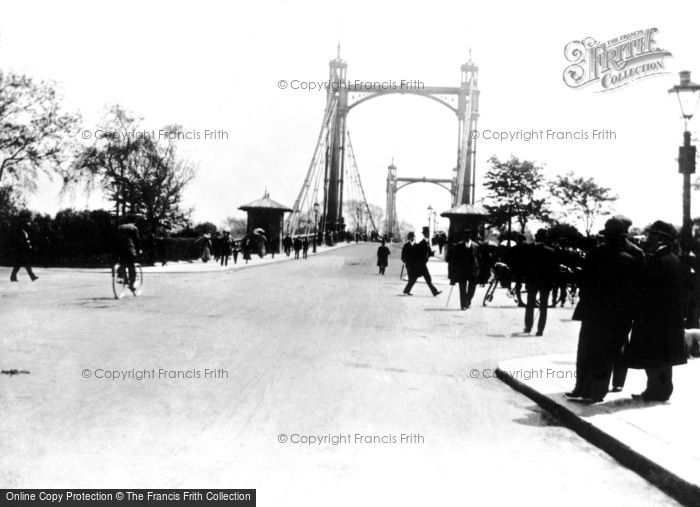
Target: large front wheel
[120,280]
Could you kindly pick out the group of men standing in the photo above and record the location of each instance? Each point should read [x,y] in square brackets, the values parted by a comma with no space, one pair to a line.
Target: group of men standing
[632,313]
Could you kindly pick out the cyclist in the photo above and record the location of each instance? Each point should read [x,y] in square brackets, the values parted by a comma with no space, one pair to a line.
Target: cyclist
[128,245]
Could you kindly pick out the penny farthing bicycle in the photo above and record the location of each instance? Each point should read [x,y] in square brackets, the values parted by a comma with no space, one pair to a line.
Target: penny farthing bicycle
[120,280]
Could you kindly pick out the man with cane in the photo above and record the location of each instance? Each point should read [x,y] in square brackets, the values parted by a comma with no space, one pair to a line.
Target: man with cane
[416,259]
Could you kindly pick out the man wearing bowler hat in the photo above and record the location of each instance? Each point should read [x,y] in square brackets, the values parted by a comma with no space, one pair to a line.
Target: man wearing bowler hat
[657,342]
[417,264]
[609,284]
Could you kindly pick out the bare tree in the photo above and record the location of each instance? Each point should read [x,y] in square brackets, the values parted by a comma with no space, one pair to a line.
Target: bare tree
[141,174]
[35,133]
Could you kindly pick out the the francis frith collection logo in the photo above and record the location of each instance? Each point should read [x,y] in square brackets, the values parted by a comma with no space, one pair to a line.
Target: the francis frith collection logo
[615,63]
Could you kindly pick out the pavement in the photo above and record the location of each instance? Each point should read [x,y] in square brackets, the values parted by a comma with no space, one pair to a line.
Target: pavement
[250,377]
[658,440]
[212,266]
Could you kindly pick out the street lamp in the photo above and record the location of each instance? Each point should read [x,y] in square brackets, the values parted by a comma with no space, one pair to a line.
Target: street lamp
[687,93]
[315,227]
[432,220]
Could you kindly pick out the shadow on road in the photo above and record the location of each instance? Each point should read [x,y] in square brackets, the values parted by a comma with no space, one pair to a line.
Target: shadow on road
[538,418]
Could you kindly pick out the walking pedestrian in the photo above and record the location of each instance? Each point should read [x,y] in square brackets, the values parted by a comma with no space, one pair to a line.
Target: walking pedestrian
[463,267]
[541,272]
[287,245]
[417,263]
[23,252]
[236,248]
[206,247]
[658,342]
[383,253]
[225,248]
[297,247]
[305,247]
[247,247]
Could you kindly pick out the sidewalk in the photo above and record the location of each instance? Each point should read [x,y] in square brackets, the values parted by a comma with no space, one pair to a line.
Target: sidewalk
[660,441]
[197,266]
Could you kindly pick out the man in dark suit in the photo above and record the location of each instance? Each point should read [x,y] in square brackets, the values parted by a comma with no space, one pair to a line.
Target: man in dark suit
[305,247]
[609,284]
[658,342]
[463,267]
[128,247]
[416,262]
[297,247]
[407,256]
[23,252]
[541,272]
[620,370]
[287,244]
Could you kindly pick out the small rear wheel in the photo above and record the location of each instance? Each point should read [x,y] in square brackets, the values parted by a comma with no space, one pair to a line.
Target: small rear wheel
[138,282]
[488,296]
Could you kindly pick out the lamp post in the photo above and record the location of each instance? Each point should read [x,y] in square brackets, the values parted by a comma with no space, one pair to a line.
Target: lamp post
[432,220]
[430,214]
[687,93]
[315,227]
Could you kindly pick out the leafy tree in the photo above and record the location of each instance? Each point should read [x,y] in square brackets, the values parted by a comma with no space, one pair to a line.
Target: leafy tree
[9,201]
[34,133]
[141,174]
[514,191]
[204,228]
[583,198]
[237,226]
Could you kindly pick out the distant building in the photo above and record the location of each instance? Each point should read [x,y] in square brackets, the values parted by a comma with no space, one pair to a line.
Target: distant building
[267,215]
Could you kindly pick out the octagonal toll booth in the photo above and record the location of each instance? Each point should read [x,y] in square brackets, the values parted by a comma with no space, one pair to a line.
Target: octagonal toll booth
[267,215]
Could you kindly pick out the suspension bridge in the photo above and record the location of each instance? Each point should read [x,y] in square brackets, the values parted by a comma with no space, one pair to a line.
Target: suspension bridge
[333,178]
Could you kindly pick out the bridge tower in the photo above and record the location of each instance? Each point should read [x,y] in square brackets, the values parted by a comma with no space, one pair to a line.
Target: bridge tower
[337,99]
[467,116]
[390,225]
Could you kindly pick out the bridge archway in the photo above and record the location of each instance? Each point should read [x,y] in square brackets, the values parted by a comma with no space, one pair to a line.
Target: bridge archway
[394,184]
[330,153]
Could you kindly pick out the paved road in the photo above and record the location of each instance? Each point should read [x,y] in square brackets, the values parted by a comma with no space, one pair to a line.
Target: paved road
[322,347]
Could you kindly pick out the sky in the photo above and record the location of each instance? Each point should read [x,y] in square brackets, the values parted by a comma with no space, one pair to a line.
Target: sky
[215,65]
